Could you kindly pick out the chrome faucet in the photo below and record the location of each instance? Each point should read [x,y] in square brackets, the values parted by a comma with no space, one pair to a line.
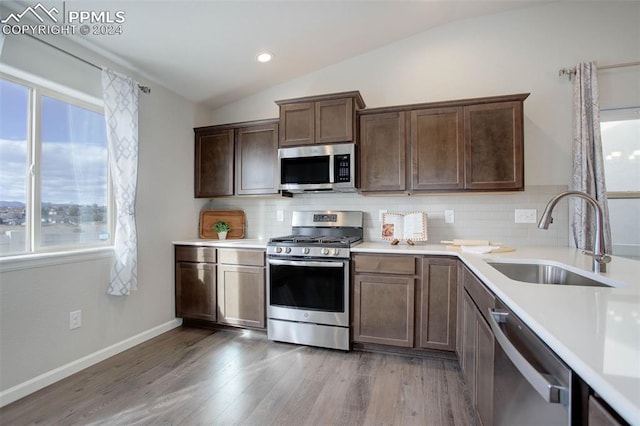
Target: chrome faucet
[600,258]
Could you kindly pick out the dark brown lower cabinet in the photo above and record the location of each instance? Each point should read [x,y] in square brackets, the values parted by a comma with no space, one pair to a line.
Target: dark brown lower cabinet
[224,286]
[241,288]
[436,308]
[195,283]
[405,301]
[600,414]
[384,299]
[484,371]
[384,309]
[477,345]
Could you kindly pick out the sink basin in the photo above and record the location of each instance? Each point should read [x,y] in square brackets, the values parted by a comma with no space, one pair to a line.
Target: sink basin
[540,273]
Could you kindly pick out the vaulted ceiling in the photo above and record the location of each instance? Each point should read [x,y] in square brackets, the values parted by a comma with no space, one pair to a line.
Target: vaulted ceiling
[205,50]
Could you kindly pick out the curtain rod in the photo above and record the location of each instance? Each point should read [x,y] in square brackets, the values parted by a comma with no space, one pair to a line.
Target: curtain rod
[571,71]
[143,89]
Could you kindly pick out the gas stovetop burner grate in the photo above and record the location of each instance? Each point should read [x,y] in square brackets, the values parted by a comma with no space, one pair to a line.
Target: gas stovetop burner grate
[306,239]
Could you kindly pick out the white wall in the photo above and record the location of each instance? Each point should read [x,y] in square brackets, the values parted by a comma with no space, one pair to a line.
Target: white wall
[513,52]
[35,339]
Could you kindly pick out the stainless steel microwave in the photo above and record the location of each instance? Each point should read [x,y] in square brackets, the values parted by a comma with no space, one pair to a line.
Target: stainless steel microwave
[318,168]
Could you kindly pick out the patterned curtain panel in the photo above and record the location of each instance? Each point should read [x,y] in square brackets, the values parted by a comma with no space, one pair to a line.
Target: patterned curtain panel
[121,115]
[588,162]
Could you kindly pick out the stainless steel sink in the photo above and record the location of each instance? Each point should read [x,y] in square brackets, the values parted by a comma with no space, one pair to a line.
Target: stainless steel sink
[544,274]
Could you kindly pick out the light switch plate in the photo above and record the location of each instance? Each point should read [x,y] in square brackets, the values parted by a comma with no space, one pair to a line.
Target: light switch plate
[526,216]
[449,216]
[280,215]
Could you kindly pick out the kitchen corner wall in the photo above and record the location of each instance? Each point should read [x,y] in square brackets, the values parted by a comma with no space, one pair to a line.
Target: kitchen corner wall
[477,216]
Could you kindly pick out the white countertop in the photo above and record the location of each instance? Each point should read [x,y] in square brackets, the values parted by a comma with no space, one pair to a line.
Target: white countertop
[230,243]
[595,330]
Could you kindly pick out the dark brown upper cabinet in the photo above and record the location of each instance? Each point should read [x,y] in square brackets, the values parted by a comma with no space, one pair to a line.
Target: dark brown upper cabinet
[383,152]
[437,147]
[464,145]
[257,159]
[319,119]
[494,145]
[213,162]
[236,159]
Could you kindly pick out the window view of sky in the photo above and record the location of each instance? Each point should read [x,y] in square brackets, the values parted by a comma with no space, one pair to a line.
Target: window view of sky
[74,150]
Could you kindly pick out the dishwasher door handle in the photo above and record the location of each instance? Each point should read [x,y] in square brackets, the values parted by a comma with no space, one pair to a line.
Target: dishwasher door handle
[548,391]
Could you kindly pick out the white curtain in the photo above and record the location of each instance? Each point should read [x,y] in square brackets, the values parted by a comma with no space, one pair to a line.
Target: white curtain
[121,115]
[588,162]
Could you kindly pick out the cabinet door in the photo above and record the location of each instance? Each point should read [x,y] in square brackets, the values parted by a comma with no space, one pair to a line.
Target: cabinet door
[196,291]
[383,162]
[297,124]
[437,304]
[600,414]
[334,121]
[494,148]
[469,344]
[213,163]
[437,149]
[257,160]
[383,309]
[241,295]
[484,371]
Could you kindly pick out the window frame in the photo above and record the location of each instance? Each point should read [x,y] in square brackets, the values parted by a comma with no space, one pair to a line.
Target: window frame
[39,88]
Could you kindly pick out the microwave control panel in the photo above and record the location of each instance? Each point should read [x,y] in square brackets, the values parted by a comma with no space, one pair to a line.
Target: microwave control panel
[342,164]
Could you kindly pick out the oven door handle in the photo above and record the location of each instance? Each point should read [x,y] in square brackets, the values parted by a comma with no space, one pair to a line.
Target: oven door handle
[327,264]
[550,392]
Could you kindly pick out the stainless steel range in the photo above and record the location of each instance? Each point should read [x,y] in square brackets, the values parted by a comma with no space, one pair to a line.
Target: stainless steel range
[308,279]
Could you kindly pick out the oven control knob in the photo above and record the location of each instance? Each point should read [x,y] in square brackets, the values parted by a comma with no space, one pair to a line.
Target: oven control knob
[325,251]
[336,252]
[287,250]
[305,250]
[278,249]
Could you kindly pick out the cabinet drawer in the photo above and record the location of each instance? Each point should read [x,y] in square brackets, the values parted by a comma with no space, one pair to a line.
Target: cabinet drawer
[405,265]
[482,297]
[241,257]
[195,254]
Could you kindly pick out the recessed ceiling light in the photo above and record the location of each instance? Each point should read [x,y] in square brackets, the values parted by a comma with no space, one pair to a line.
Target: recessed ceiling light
[264,57]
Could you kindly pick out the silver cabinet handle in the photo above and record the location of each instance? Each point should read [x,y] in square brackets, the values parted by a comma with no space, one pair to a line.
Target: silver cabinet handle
[549,392]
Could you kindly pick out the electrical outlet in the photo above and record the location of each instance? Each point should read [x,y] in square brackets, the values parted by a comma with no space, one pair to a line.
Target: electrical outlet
[449,216]
[75,319]
[525,216]
[280,215]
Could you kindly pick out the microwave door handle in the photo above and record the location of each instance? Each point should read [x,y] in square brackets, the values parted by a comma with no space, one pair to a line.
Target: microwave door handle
[549,392]
[332,170]
[329,264]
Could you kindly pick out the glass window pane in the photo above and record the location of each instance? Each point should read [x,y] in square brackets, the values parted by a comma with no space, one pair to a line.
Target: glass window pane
[621,150]
[73,175]
[14,128]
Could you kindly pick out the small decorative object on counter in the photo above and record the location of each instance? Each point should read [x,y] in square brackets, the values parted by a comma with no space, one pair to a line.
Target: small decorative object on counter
[404,226]
[221,228]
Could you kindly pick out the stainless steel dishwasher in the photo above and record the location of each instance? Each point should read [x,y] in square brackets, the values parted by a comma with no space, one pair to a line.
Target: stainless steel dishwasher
[532,386]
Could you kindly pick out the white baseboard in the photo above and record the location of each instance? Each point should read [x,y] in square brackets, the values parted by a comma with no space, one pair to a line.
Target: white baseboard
[32,385]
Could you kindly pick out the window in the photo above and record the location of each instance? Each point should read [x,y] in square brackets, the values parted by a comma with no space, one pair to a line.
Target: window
[620,131]
[54,180]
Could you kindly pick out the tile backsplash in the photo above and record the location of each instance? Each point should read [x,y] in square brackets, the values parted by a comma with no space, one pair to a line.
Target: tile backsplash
[487,216]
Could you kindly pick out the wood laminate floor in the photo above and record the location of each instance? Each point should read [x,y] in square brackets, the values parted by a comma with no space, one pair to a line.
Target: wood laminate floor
[192,376]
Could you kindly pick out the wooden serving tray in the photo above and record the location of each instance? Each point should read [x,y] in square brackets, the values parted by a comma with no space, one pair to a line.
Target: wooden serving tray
[235,218]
